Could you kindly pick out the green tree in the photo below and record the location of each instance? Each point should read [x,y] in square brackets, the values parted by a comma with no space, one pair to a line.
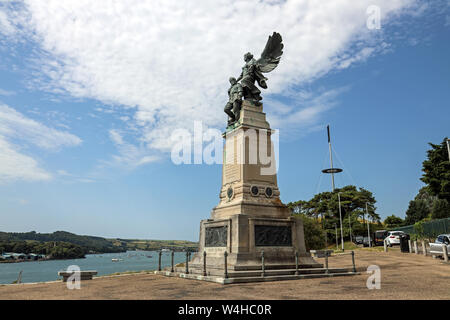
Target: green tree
[440,209]
[324,207]
[393,221]
[436,170]
[314,234]
[417,211]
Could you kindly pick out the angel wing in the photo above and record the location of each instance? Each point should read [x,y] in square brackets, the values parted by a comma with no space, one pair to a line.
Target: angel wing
[271,55]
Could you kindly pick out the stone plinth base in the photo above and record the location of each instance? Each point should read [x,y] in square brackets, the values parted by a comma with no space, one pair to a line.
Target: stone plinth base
[244,238]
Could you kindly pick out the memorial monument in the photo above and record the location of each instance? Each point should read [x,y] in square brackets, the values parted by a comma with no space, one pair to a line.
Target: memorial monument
[250,220]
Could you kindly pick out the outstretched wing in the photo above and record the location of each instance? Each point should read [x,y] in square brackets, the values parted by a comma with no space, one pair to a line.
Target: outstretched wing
[271,55]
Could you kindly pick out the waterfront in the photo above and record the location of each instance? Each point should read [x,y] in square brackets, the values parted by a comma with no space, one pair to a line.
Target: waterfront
[39,271]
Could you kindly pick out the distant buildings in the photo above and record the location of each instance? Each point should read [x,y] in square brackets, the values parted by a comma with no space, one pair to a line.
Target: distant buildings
[12,256]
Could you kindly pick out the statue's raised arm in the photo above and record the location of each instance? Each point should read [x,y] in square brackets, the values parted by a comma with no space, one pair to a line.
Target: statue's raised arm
[253,69]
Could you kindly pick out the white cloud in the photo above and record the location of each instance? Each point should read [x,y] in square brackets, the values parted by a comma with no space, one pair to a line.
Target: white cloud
[14,163]
[130,156]
[15,125]
[17,166]
[170,59]
[6,92]
[6,28]
[304,109]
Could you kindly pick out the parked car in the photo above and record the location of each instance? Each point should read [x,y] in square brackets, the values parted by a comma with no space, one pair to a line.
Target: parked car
[393,238]
[379,236]
[367,241]
[359,240]
[436,248]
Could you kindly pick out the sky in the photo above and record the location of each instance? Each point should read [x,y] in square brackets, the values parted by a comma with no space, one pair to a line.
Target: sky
[91,93]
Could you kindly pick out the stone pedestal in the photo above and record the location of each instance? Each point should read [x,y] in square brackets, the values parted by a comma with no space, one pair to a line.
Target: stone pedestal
[250,217]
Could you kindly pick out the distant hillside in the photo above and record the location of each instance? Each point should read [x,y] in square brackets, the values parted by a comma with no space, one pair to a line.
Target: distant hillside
[99,244]
[153,245]
[90,243]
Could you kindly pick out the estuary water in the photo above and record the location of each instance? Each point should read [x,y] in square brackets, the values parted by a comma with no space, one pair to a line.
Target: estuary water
[39,271]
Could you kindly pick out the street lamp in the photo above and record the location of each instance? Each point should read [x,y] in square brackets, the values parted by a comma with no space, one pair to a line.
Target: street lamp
[340,220]
[448,149]
[368,229]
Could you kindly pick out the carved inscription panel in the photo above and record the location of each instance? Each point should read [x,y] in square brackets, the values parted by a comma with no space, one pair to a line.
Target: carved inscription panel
[273,235]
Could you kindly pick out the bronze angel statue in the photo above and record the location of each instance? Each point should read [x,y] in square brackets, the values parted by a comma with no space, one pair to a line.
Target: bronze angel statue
[253,69]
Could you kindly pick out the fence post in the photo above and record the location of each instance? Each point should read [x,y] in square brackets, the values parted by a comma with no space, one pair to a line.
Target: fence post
[187,262]
[416,250]
[326,261]
[424,247]
[204,263]
[173,253]
[445,251]
[159,260]
[385,246]
[225,255]
[353,261]
[262,264]
[296,263]
[410,246]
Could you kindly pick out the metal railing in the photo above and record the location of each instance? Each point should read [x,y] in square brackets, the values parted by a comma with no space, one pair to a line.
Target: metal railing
[263,263]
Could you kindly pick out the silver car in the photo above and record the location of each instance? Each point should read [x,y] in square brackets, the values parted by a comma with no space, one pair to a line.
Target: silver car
[437,248]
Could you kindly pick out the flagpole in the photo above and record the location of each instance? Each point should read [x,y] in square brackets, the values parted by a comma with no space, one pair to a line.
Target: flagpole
[331,158]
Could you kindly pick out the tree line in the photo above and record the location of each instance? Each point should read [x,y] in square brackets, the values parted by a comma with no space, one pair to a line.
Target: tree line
[433,200]
[320,215]
[52,250]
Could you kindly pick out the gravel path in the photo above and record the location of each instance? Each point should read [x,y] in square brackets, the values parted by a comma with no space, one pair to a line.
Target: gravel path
[403,276]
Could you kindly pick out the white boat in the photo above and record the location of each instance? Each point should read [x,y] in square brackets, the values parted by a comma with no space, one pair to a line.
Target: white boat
[116,260]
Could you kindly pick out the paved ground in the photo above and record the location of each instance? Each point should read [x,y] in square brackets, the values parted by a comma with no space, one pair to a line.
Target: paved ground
[403,276]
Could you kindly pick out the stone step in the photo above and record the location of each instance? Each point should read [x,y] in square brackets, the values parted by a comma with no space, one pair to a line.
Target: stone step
[276,267]
[253,273]
[257,273]
[259,278]
[286,277]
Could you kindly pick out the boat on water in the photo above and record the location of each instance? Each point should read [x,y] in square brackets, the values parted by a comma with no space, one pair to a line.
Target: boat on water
[116,260]
[149,256]
[165,250]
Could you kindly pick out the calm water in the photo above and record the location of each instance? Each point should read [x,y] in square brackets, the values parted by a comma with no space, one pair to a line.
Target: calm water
[38,271]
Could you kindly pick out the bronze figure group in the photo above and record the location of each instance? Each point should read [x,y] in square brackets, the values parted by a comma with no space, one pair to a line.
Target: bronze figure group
[244,86]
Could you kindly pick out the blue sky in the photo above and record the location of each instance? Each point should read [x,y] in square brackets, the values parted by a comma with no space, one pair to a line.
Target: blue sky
[90,93]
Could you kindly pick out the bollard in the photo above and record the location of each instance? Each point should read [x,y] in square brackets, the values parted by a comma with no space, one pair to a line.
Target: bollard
[296,263]
[326,262]
[424,248]
[159,260]
[171,270]
[445,251]
[410,246]
[225,255]
[416,250]
[204,263]
[353,261]
[385,246]
[262,264]
[187,262]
